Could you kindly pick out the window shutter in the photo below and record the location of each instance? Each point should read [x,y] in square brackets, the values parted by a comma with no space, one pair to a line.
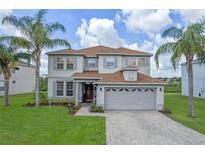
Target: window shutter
[126,61]
[74,63]
[104,61]
[54,88]
[54,62]
[115,62]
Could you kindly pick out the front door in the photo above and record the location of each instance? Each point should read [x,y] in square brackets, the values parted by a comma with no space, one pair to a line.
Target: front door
[88,92]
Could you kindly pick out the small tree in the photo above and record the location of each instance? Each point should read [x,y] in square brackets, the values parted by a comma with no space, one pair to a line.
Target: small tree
[8,60]
[36,36]
[189,43]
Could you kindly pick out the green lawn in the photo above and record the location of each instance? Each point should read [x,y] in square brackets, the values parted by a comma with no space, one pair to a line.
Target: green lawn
[44,125]
[178,105]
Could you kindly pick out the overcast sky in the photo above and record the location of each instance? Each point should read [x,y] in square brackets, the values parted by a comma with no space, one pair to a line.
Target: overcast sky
[135,29]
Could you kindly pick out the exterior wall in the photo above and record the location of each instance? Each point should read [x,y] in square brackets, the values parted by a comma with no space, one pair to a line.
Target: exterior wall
[22,81]
[160,98]
[100,101]
[101,68]
[143,69]
[198,80]
[121,62]
[52,72]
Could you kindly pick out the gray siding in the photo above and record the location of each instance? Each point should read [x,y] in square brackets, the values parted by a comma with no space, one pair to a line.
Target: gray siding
[198,80]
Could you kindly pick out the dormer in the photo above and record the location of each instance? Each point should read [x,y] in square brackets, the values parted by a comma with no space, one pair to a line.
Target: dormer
[130,73]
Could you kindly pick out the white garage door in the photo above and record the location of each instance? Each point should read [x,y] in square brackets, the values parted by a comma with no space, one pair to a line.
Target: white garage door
[130,98]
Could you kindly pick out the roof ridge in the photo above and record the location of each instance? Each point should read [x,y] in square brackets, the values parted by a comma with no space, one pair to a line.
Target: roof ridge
[95,47]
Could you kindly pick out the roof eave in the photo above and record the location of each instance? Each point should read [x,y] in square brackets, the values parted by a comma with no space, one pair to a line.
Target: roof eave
[127,83]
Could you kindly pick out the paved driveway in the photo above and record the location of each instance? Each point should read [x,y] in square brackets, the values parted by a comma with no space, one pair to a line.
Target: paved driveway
[147,127]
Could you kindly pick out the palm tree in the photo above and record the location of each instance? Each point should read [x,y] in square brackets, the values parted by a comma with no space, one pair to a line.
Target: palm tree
[189,42]
[36,36]
[8,60]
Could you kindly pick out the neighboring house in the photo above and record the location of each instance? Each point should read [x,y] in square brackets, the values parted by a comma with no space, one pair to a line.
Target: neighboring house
[198,79]
[22,79]
[115,78]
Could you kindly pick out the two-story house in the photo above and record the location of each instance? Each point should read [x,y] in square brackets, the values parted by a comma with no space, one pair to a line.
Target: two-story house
[115,78]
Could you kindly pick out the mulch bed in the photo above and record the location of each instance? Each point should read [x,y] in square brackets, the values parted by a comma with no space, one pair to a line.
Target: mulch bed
[71,108]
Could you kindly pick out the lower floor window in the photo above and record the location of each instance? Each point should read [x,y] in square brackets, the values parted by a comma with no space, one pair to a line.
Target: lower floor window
[60,85]
[69,88]
[64,88]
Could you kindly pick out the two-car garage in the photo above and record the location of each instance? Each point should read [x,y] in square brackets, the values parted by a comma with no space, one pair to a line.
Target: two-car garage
[126,98]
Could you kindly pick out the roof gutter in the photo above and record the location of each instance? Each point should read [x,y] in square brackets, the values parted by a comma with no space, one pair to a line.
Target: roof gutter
[122,83]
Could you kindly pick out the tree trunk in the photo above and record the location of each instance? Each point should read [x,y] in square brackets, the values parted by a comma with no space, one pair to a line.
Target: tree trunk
[190,85]
[6,92]
[37,90]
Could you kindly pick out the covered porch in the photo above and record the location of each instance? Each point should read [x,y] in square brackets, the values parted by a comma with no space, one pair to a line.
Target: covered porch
[85,91]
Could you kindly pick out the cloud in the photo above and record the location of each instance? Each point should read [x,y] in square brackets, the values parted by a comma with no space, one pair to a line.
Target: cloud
[165,66]
[191,15]
[5,28]
[98,31]
[147,21]
[102,31]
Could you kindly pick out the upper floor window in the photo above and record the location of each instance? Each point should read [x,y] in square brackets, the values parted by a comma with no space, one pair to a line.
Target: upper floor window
[70,63]
[91,62]
[60,63]
[109,62]
[131,61]
[143,61]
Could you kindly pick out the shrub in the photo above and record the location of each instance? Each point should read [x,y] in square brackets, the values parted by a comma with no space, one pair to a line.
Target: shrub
[166,111]
[94,108]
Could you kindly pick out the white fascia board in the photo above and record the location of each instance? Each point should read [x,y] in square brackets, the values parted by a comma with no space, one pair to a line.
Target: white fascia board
[122,83]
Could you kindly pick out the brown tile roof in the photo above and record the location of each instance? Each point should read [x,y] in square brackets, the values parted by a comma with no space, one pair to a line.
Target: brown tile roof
[116,77]
[65,52]
[96,50]
[87,74]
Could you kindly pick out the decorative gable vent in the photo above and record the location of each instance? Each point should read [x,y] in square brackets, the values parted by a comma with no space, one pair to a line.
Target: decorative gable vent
[130,73]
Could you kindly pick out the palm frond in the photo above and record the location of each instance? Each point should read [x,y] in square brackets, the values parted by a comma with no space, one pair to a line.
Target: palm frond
[23,55]
[40,15]
[178,51]
[14,21]
[164,49]
[55,27]
[173,32]
[51,43]
[16,41]
[26,20]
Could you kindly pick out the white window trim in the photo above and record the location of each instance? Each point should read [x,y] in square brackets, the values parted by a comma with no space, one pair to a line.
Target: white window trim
[60,63]
[94,61]
[146,62]
[60,89]
[66,61]
[64,89]
[69,89]
[106,60]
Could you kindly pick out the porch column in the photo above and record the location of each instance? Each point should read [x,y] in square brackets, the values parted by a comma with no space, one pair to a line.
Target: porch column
[76,92]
